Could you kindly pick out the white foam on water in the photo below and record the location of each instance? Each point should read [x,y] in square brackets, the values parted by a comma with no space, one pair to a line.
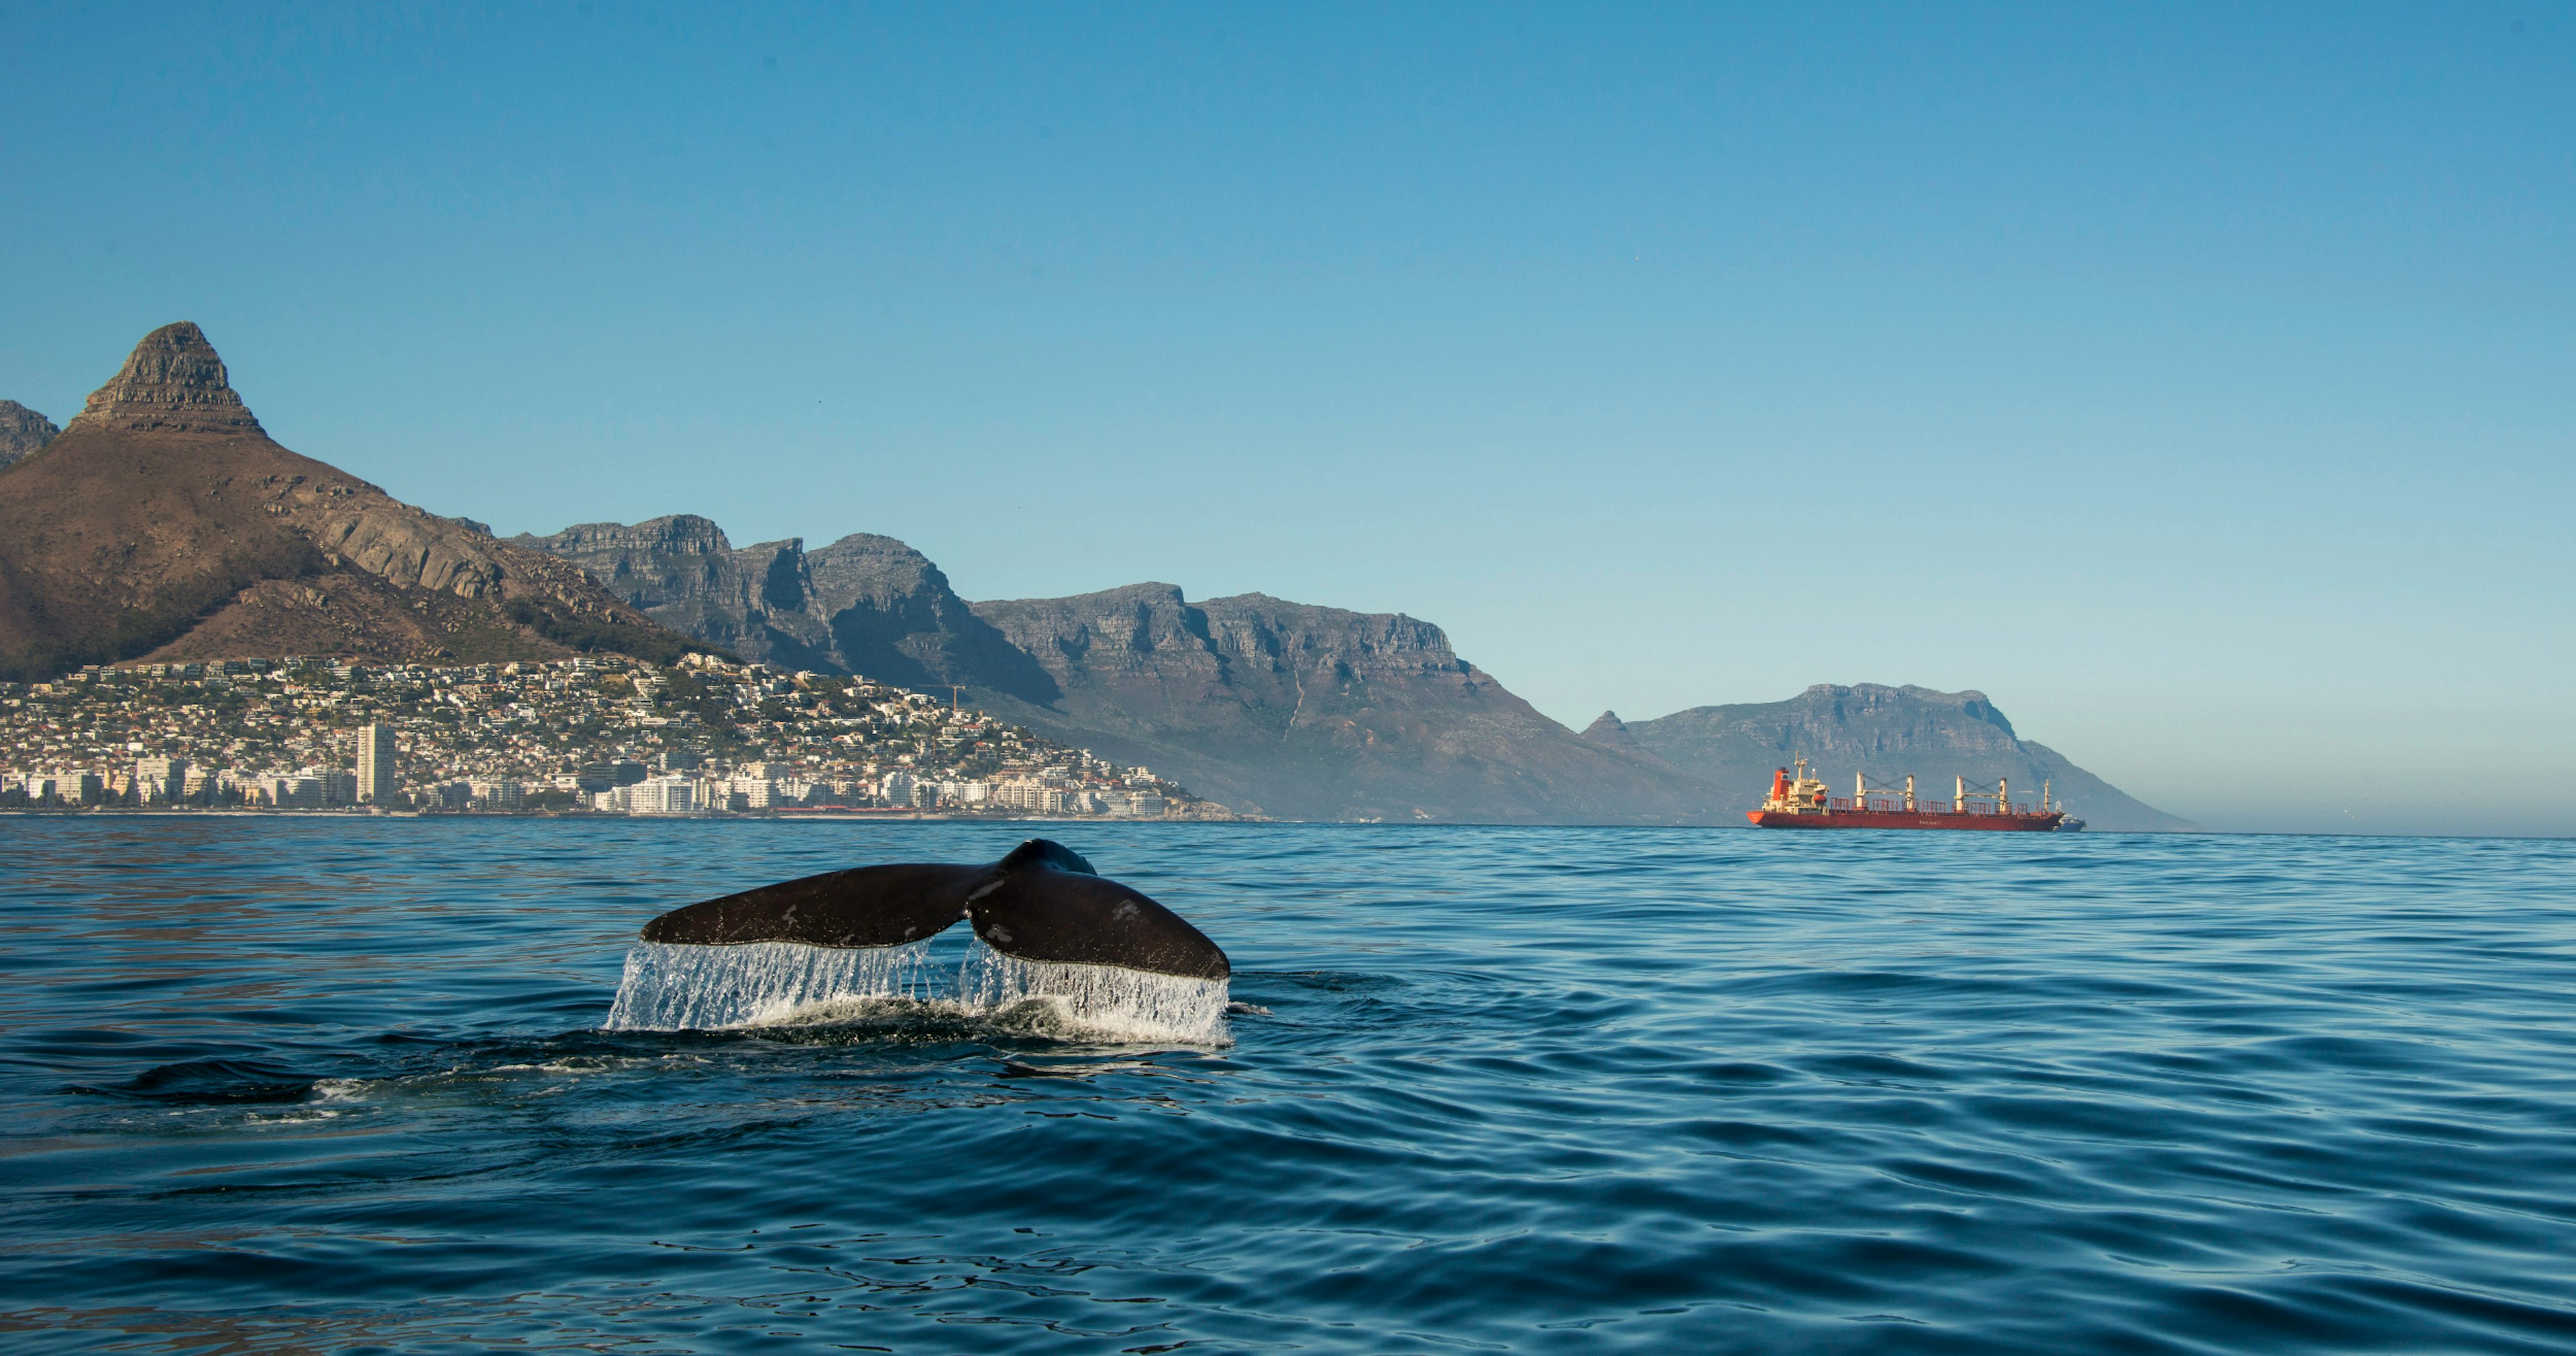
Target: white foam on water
[677,987]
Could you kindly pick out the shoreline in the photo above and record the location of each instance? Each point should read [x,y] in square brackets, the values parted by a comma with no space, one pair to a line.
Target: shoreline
[860,815]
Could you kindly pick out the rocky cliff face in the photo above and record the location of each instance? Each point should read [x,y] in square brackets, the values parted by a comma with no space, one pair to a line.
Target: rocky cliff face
[164,522]
[864,604]
[1317,713]
[1886,733]
[22,432]
[892,613]
[679,570]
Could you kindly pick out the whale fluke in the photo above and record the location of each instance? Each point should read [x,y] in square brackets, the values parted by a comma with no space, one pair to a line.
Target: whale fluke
[1041,902]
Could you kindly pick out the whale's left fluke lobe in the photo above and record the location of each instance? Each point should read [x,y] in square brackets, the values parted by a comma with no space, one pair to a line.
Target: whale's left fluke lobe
[868,906]
[1042,903]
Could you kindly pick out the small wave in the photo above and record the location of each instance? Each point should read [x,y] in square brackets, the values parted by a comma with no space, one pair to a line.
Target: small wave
[209,1082]
[671,987]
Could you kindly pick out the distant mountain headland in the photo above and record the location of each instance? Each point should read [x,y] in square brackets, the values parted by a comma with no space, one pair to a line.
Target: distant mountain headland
[1886,732]
[1289,709]
[164,523]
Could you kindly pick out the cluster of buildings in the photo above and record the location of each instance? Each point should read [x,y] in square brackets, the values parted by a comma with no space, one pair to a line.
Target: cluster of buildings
[604,735]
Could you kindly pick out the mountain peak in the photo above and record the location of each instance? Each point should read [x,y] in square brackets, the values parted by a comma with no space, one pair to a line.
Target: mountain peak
[1612,732]
[23,432]
[173,382]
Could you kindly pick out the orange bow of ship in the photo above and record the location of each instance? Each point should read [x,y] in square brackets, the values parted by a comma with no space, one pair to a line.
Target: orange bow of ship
[1802,802]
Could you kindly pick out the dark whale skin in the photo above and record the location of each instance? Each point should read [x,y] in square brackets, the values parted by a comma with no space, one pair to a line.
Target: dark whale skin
[1042,902]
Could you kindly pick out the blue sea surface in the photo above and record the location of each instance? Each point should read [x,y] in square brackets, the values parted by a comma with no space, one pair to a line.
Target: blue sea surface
[339,1085]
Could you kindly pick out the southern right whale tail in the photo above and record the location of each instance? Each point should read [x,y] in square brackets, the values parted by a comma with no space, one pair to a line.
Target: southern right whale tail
[1101,951]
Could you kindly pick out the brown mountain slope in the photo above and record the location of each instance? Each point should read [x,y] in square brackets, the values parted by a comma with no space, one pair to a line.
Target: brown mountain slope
[165,523]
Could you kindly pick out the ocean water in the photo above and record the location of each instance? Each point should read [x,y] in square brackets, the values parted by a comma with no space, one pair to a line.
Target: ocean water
[342,1086]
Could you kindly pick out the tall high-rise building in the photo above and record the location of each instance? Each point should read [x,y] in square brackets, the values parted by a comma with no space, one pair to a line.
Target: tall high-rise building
[376,780]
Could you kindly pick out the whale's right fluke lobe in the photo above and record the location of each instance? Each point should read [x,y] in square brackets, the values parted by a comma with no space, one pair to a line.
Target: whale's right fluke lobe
[1071,918]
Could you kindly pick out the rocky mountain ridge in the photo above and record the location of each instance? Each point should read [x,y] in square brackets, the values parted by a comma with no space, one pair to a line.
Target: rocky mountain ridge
[1269,706]
[163,522]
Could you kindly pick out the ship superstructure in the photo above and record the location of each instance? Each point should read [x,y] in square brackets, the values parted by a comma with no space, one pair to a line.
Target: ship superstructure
[1799,801]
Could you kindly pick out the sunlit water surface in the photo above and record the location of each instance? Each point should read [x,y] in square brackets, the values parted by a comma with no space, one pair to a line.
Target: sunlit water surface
[314,1085]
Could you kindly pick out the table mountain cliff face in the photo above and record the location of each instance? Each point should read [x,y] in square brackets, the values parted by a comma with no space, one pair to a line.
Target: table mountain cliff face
[164,523]
[1317,713]
[22,431]
[1884,732]
[1266,706]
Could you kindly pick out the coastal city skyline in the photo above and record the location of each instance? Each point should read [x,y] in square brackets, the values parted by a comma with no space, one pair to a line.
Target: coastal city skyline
[604,735]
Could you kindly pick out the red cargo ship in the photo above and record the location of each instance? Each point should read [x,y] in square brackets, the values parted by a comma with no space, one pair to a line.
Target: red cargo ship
[1801,802]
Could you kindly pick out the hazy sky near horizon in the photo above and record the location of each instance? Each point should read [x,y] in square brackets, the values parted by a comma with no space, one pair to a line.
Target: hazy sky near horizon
[2196,381]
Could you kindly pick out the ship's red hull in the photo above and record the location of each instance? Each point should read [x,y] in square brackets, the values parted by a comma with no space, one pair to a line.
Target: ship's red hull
[1902,819]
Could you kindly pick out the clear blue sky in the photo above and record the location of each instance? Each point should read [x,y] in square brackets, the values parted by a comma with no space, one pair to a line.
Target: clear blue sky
[2196,382]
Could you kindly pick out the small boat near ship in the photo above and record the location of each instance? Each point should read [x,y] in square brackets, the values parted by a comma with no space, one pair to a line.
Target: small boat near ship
[1803,802]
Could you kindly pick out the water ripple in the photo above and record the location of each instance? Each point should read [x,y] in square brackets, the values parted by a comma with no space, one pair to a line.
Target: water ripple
[300,1085]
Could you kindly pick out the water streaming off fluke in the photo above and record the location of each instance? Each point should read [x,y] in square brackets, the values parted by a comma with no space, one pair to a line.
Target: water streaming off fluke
[1098,1001]
[679,987]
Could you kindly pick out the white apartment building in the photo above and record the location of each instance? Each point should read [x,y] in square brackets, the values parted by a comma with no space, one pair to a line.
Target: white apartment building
[376,780]
[1033,796]
[656,796]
